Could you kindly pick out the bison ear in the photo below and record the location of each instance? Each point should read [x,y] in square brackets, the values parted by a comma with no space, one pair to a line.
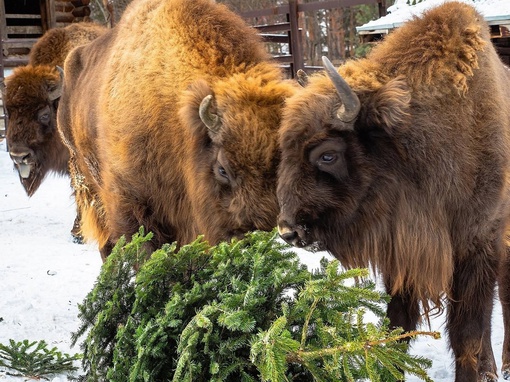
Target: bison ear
[208,112]
[198,109]
[389,107]
[55,87]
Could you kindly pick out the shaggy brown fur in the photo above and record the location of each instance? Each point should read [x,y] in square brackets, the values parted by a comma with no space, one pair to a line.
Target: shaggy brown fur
[142,155]
[31,100]
[418,185]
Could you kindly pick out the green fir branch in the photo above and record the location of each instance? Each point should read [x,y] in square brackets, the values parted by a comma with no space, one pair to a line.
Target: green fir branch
[35,360]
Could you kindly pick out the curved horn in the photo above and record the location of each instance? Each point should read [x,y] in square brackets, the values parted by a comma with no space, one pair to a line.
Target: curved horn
[56,92]
[302,77]
[211,120]
[350,101]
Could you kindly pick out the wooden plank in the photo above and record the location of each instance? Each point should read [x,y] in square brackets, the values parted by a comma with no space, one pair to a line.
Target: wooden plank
[11,62]
[19,43]
[277,38]
[64,17]
[280,27]
[62,6]
[22,16]
[287,59]
[31,29]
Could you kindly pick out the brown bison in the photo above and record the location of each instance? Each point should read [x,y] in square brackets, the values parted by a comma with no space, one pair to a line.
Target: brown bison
[31,97]
[401,161]
[172,122]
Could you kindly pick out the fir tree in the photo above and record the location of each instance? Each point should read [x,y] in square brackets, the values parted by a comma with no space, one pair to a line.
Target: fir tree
[246,310]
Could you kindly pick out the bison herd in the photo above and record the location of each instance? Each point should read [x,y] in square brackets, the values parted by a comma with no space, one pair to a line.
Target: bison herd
[178,120]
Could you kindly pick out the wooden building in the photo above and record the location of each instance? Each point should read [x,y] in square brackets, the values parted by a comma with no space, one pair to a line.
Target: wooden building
[496,13]
[22,22]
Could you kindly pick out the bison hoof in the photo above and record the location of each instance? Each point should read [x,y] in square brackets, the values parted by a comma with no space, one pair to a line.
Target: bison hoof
[505,370]
[488,377]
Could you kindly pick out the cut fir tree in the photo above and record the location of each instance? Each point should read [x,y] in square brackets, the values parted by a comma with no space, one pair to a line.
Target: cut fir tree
[246,310]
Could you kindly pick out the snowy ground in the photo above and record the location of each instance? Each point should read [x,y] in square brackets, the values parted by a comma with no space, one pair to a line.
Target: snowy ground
[44,275]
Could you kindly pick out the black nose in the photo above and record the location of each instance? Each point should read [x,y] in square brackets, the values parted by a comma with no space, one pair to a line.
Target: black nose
[20,157]
[291,233]
[289,236]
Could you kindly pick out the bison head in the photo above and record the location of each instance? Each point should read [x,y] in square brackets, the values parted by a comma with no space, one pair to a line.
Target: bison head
[235,135]
[337,155]
[35,147]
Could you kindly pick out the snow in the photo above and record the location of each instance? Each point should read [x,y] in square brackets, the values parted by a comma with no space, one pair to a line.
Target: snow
[44,275]
[398,13]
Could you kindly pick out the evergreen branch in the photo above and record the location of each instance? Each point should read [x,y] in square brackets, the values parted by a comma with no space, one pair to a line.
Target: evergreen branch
[38,362]
[350,347]
[307,322]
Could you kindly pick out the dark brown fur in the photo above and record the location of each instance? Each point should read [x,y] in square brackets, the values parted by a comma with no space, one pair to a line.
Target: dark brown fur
[142,155]
[418,186]
[32,134]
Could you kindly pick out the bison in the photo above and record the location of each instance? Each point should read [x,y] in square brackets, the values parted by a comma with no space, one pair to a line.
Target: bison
[400,161]
[172,122]
[31,98]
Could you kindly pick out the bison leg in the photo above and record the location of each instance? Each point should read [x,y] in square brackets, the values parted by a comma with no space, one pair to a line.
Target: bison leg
[469,319]
[106,250]
[403,310]
[504,297]
[76,230]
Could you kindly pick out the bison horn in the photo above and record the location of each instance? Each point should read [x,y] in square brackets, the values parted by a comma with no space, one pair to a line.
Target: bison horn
[56,92]
[350,101]
[302,77]
[210,119]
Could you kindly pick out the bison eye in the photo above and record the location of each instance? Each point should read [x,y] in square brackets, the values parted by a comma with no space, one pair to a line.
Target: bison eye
[327,158]
[44,116]
[222,172]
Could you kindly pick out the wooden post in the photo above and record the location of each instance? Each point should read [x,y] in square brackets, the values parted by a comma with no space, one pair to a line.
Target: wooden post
[382,8]
[3,26]
[295,38]
[3,35]
[48,16]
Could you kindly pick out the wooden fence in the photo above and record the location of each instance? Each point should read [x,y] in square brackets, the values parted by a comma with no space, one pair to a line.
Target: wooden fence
[289,31]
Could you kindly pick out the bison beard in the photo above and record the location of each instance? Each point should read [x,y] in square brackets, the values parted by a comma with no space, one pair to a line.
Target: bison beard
[400,161]
[171,119]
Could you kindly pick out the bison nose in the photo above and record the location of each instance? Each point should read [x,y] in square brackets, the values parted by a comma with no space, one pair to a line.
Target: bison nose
[23,162]
[289,234]
[20,157]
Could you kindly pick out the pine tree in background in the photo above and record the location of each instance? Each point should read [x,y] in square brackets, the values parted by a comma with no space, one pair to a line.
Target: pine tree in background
[240,311]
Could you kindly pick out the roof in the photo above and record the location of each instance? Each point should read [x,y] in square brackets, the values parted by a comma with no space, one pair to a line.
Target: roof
[495,12]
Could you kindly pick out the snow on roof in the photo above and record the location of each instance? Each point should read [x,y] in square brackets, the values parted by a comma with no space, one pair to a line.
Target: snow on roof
[400,12]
